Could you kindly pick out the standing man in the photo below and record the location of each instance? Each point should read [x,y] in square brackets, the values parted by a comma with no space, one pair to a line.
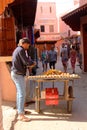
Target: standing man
[20,62]
[73,56]
[44,58]
[64,56]
[31,52]
[52,57]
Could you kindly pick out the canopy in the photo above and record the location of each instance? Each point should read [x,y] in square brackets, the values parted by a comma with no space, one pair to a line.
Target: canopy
[3,4]
[24,11]
[73,18]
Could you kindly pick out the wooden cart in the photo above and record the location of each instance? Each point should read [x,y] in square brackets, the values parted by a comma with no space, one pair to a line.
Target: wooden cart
[67,94]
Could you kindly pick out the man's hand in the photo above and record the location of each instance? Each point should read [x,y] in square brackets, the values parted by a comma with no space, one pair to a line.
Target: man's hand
[32,66]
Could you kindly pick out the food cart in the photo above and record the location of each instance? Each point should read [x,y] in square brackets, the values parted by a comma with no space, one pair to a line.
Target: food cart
[55,76]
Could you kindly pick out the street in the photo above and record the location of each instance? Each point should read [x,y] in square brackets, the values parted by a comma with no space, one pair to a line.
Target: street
[53,117]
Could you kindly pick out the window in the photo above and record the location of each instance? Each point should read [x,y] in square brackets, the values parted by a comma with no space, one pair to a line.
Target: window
[51,28]
[42,28]
[41,9]
[50,10]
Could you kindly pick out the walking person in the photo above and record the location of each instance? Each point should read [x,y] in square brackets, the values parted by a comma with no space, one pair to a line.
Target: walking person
[52,57]
[32,53]
[73,55]
[44,58]
[30,85]
[18,71]
[64,57]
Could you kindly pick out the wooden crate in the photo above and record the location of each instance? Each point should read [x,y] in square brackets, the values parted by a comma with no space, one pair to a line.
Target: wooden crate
[52,96]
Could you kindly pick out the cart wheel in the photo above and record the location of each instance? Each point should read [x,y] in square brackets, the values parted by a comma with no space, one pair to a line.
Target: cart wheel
[69,106]
[70,91]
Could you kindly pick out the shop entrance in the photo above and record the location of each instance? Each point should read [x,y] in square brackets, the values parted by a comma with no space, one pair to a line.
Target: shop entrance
[85,46]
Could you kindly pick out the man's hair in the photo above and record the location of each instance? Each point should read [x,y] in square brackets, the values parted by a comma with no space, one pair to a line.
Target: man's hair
[24,40]
[73,47]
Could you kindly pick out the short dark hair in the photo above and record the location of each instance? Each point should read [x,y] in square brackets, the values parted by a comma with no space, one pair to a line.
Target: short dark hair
[73,47]
[24,40]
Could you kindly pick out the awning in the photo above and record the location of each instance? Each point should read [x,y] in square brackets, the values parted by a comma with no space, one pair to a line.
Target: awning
[24,11]
[73,18]
[48,38]
[3,4]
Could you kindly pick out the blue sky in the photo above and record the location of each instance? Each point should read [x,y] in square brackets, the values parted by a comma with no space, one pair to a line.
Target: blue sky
[61,5]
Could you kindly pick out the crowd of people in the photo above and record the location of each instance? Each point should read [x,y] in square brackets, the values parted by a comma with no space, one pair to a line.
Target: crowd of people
[67,54]
[72,54]
[48,57]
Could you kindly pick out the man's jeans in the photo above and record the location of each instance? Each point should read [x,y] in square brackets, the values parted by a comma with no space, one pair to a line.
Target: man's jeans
[20,83]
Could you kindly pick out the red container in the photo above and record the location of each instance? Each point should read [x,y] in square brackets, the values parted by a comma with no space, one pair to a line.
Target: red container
[51,96]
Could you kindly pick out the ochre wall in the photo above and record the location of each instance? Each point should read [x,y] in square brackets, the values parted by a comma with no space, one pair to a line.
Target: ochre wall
[7,86]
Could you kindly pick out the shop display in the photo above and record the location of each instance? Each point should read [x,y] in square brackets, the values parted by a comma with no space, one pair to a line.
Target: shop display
[54,74]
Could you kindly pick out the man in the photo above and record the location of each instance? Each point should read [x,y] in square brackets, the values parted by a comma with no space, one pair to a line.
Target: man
[44,58]
[52,57]
[20,62]
[64,56]
[32,53]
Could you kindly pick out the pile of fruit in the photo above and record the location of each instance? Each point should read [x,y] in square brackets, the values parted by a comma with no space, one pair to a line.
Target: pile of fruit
[53,72]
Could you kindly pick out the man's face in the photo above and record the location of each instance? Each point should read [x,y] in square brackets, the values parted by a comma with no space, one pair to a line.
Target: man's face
[26,46]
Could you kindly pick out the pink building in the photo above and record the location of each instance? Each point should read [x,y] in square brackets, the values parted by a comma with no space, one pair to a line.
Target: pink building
[64,29]
[77,20]
[52,28]
[82,2]
[46,18]
[46,21]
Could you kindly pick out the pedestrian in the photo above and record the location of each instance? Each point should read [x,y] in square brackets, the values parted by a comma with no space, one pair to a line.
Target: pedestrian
[79,57]
[52,57]
[1,117]
[73,55]
[32,53]
[36,55]
[20,62]
[30,85]
[80,60]
[64,57]
[44,58]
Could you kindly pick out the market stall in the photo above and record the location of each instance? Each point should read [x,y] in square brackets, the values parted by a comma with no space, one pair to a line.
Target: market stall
[54,76]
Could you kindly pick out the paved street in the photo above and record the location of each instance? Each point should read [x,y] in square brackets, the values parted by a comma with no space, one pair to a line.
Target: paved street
[53,117]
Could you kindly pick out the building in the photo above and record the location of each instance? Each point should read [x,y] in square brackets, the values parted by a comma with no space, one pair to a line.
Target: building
[64,29]
[18,13]
[65,32]
[82,2]
[46,21]
[77,20]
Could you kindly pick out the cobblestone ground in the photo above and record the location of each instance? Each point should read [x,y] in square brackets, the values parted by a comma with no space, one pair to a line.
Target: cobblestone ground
[53,117]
